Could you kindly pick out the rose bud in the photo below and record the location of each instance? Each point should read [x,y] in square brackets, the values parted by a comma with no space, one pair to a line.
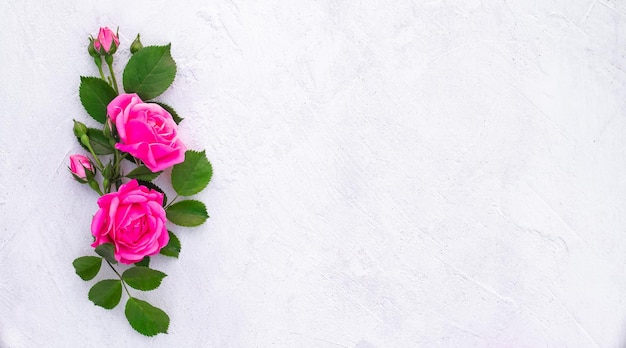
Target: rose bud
[91,49]
[136,45]
[107,42]
[79,129]
[81,168]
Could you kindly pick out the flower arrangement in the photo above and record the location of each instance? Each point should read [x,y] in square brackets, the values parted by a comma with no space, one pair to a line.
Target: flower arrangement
[136,142]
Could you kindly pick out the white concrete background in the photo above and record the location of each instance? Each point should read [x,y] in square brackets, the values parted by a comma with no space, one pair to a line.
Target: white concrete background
[387,174]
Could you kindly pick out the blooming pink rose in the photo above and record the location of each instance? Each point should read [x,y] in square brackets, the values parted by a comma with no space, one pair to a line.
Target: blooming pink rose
[107,42]
[78,165]
[133,220]
[147,131]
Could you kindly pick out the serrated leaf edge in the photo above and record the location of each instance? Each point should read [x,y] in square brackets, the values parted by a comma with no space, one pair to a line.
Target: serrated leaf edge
[203,152]
[131,324]
[159,280]
[169,50]
[80,88]
[180,247]
[90,257]
[118,281]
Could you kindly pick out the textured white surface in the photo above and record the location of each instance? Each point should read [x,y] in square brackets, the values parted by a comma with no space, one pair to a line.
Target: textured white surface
[387,174]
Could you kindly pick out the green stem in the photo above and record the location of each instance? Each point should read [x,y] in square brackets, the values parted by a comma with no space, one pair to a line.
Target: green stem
[107,185]
[118,157]
[98,61]
[85,140]
[97,189]
[109,60]
[119,275]
[171,202]
[101,72]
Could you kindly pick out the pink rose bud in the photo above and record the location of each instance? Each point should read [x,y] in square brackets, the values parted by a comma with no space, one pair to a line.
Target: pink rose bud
[107,42]
[79,166]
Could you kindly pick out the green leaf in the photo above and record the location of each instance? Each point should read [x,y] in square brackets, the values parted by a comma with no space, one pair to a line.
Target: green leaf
[145,262]
[172,112]
[192,176]
[173,246]
[188,213]
[144,317]
[143,278]
[150,72]
[143,173]
[99,142]
[107,250]
[95,95]
[150,185]
[87,267]
[106,293]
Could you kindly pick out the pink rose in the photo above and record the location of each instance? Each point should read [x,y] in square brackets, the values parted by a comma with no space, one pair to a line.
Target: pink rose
[133,220]
[146,131]
[78,165]
[107,41]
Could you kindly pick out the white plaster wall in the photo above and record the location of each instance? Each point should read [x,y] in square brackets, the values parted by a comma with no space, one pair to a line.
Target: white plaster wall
[387,173]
